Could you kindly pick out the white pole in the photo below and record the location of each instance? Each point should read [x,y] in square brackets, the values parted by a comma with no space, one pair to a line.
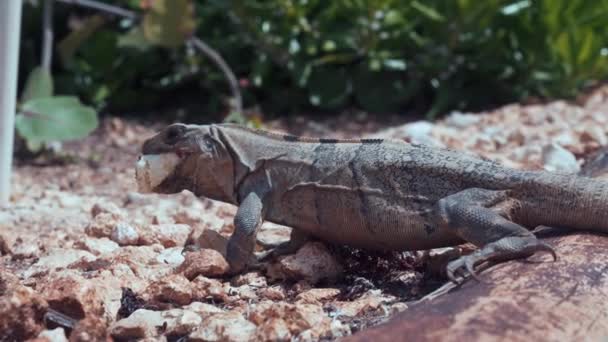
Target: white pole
[10,27]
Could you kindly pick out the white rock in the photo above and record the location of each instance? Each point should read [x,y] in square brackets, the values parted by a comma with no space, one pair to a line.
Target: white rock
[170,235]
[420,132]
[273,234]
[55,335]
[174,288]
[461,120]
[299,317]
[596,133]
[125,234]
[202,309]
[57,259]
[229,326]
[106,207]
[171,256]
[313,262]
[339,329]
[371,301]
[97,246]
[67,200]
[181,322]
[557,159]
[207,262]
[273,329]
[317,295]
[566,138]
[140,324]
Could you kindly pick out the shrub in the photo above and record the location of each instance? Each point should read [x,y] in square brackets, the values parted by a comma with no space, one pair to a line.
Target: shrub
[383,54]
[380,55]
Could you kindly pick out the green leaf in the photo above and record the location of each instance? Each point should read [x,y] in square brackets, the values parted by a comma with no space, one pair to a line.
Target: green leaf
[427,11]
[39,84]
[585,48]
[169,22]
[54,119]
[563,47]
[74,40]
[135,38]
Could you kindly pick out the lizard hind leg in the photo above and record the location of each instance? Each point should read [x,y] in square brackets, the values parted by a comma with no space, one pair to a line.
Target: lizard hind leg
[504,249]
[473,216]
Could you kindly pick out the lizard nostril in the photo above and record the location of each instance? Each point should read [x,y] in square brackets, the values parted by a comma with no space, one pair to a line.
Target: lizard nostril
[173,134]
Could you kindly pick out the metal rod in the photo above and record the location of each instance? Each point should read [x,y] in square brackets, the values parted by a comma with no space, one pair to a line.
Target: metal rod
[10,27]
[47,35]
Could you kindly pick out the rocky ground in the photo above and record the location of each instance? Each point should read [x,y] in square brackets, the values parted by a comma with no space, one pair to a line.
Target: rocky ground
[84,256]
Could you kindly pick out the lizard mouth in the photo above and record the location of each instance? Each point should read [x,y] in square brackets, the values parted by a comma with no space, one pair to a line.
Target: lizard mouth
[153,169]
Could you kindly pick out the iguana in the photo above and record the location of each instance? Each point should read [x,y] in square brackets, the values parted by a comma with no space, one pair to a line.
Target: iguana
[370,193]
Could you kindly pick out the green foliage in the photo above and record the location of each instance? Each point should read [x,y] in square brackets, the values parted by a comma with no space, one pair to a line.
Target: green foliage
[39,84]
[380,55]
[55,118]
[168,22]
[465,54]
[43,117]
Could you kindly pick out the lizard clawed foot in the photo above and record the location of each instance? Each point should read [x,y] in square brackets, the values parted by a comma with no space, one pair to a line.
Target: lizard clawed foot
[502,250]
[458,270]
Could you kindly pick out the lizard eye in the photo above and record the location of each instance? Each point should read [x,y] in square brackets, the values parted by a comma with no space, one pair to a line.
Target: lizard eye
[208,142]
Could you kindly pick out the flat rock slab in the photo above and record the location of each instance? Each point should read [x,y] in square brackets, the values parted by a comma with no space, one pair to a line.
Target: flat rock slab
[566,300]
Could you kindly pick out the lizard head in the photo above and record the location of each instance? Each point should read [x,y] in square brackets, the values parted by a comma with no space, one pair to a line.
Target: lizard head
[186,157]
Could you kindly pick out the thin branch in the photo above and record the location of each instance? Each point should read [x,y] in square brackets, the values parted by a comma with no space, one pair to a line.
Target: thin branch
[195,41]
[111,9]
[221,63]
[60,319]
[47,32]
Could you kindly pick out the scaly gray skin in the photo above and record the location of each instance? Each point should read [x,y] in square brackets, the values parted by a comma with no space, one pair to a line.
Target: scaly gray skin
[375,194]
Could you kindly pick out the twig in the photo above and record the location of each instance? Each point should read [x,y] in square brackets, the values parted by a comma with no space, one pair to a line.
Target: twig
[444,289]
[221,63]
[60,319]
[195,41]
[47,32]
[111,9]
[449,286]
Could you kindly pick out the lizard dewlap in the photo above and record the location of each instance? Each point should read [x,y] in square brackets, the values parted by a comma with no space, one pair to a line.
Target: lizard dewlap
[152,169]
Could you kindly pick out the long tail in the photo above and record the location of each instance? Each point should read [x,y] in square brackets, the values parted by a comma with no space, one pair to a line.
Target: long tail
[564,201]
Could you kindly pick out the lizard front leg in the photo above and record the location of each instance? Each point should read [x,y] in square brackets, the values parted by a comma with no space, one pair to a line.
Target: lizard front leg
[248,219]
[474,215]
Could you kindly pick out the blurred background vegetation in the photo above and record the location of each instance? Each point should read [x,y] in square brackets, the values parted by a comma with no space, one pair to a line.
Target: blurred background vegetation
[410,57]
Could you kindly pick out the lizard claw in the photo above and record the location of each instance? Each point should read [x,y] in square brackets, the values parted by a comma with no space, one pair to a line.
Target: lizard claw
[543,247]
[470,264]
[465,266]
[517,247]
